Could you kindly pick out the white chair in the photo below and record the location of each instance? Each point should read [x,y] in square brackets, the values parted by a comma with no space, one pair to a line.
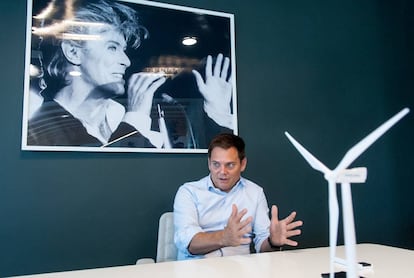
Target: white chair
[166,250]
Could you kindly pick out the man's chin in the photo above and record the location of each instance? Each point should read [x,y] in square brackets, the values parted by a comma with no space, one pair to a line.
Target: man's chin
[113,89]
[225,186]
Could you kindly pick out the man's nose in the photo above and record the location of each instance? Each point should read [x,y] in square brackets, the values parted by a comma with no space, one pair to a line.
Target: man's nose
[223,169]
[125,60]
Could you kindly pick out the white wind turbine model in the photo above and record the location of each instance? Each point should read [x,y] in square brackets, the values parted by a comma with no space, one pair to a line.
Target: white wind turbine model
[345,176]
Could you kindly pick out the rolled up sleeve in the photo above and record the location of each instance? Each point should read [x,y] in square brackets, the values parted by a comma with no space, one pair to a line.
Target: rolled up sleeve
[185,221]
[262,222]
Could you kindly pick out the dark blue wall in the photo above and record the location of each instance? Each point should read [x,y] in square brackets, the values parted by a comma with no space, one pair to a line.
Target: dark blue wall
[329,72]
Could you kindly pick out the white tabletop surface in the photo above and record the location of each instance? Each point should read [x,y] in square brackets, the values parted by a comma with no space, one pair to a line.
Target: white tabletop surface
[387,262]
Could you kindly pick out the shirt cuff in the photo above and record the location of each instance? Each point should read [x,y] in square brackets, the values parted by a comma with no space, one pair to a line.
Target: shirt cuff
[142,123]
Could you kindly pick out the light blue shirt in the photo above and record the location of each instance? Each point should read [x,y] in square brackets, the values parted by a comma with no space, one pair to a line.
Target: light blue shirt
[201,207]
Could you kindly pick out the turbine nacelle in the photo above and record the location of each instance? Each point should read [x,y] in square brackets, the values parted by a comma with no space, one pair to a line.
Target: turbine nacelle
[353,175]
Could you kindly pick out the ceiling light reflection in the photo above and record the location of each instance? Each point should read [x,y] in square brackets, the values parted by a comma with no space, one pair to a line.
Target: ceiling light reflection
[189,41]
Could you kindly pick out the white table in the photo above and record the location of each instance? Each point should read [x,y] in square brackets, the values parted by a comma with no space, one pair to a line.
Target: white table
[386,262]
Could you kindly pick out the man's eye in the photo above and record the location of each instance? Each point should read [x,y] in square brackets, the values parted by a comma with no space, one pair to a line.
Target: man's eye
[231,165]
[112,48]
[216,164]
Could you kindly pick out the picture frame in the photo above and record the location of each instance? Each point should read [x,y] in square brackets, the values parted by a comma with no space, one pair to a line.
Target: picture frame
[184,114]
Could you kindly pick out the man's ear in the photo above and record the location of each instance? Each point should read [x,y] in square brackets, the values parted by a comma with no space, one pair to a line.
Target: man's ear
[72,52]
[243,164]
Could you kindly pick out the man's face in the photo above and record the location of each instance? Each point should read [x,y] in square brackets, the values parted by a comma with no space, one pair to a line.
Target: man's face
[225,167]
[103,62]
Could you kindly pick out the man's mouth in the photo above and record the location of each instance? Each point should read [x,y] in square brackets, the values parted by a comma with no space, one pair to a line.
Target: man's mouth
[118,75]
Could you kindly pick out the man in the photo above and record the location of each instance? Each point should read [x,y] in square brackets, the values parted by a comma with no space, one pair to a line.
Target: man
[87,73]
[221,214]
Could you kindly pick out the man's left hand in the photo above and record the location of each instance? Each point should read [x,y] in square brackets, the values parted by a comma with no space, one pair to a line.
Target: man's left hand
[216,90]
[282,230]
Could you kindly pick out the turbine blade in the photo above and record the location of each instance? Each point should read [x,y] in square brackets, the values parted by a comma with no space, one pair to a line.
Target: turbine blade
[313,161]
[359,148]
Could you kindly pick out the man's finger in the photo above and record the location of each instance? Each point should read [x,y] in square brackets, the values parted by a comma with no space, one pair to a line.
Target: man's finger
[157,83]
[233,210]
[291,217]
[275,213]
[133,81]
[225,68]
[293,233]
[241,214]
[150,78]
[246,221]
[199,80]
[294,225]
[246,229]
[217,66]
[209,67]
[245,240]
[291,242]
[229,78]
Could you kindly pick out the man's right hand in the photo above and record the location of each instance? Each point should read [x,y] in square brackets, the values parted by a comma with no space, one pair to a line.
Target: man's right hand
[141,89]
[234,234]
[236,229]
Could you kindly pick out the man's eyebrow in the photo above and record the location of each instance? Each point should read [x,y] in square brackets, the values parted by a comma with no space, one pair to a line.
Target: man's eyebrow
[226,162]
[113,41]
[117,43]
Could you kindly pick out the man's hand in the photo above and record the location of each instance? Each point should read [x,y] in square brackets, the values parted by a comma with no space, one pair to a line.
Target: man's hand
[282,230]
[141,89]
[232,235]
[216,90]
[236,229]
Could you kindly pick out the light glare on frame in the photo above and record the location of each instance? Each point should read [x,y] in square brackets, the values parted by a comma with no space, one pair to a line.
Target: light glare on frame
[75,73]
[80,37]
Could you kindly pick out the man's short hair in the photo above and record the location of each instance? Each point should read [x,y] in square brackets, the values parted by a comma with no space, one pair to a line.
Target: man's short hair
[119,16]
[227,141]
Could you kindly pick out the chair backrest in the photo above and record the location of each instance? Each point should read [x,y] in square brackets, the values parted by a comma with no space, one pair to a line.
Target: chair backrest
[166,249]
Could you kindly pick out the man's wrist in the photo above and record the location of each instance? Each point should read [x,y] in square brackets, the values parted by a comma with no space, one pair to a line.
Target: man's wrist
[222,236]
[224,119]
[273,246]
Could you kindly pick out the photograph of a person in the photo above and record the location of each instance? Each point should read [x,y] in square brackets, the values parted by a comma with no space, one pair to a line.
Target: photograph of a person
[128,76]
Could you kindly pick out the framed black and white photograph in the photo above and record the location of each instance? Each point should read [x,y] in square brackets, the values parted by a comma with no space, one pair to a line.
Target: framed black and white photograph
[127,76]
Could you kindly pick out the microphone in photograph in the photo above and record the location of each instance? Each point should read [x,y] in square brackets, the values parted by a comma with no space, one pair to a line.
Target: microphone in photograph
[169,99]
[163,128]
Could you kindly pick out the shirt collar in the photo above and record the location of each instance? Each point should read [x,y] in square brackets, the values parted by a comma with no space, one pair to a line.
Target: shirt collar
[212,188]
